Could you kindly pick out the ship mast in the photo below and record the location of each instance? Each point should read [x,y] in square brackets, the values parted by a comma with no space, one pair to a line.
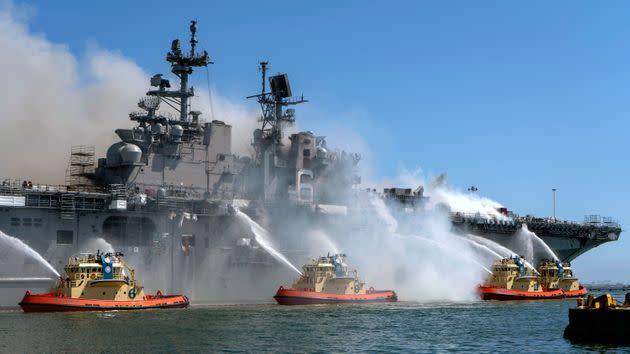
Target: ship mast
[274,117]
[182,66]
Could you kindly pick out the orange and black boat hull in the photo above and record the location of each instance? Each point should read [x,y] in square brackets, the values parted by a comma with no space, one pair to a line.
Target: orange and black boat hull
[582,291]
[490,293]
[52,303]
[300,297]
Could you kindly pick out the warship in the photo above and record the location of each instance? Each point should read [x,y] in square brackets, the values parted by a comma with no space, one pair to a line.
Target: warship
[167,192]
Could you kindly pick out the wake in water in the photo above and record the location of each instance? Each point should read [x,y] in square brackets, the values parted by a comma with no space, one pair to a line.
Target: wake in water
[12,243]
[262,238]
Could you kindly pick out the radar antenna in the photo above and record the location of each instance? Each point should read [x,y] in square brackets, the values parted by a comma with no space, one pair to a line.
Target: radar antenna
[274,117]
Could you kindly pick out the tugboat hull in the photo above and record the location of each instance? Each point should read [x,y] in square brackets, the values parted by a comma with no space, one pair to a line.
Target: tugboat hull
[299,297]
[576,293]
[490,293]
[52,303]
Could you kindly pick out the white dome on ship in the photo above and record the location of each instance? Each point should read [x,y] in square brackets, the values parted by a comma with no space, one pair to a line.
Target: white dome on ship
[176,133]
[130,154]
[122,153]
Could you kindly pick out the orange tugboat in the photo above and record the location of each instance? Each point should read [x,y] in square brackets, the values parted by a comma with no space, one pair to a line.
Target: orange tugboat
[98,283]
[510,280]
[326,280]
[558,275]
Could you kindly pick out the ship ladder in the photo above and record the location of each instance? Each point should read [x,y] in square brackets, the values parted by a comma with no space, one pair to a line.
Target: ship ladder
[67,210]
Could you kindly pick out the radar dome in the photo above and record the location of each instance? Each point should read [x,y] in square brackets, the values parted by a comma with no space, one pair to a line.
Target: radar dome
[157,128]
[123,154]
[113,154]
[176,132]
[322,153]
[130,154]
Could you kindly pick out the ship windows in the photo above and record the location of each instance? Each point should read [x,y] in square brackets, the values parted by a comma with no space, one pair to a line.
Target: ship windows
[27,222]
[64,237]
[37,222]
[15,221]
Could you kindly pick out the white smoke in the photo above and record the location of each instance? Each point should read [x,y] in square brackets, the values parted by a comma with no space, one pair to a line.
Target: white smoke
[52,100]
[443,194]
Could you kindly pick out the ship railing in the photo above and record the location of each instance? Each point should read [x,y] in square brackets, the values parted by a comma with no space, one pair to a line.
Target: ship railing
[12,186]
[481,219]
[597,220]
[477,218]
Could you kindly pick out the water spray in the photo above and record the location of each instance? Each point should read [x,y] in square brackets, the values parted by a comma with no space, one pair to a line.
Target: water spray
[14,243]
[262,237]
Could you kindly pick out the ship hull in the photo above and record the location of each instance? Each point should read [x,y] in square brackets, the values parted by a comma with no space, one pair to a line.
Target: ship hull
[52,303]
[490,293]
[299,297]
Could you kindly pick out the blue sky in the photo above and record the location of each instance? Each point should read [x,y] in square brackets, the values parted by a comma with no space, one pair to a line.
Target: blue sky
[513,97]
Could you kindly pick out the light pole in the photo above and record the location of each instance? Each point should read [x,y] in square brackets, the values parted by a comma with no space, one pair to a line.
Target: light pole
[554,203]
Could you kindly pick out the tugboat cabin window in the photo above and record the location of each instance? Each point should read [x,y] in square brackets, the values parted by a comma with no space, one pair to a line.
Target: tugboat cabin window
[64,237]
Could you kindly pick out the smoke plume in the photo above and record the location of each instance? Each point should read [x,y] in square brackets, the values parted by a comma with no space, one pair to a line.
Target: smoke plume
[53,99]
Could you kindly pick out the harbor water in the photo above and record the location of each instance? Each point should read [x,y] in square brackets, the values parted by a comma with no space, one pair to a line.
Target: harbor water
[531,327]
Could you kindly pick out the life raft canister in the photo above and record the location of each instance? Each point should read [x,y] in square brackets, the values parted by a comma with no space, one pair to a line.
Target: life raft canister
[132,293]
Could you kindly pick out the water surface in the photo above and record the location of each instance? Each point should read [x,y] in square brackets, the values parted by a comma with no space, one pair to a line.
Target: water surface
[399,327]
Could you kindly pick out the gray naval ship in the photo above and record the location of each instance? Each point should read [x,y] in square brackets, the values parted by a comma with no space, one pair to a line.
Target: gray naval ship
[170,194]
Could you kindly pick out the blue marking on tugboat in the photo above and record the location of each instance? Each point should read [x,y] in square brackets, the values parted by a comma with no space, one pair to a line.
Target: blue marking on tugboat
[107,267]
[338,263]
[560,269]
[521,266]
